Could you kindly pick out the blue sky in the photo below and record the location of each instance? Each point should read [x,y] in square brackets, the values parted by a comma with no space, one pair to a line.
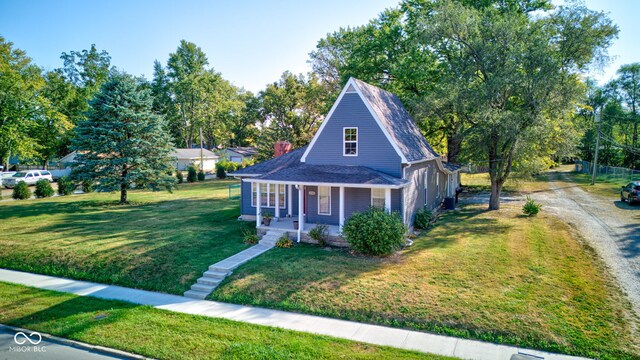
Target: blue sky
[250,42]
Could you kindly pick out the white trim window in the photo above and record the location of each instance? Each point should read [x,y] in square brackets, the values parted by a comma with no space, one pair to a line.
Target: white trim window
[281,196]
[267,195]
[378,197]
[350,141]
[324,200]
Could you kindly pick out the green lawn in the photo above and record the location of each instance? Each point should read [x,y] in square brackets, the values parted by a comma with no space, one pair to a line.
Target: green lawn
[166,335]
[604,186]
[494,276]
[162,242]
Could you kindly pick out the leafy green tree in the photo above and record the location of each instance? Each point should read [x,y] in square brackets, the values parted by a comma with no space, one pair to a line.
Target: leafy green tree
[292,110]
[627,91]
[523,71]
[21,103]
[122,142]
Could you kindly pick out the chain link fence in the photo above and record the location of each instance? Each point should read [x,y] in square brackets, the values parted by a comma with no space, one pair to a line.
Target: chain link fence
[586,167]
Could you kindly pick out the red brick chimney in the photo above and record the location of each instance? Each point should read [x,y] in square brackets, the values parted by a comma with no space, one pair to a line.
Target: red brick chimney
[281,148]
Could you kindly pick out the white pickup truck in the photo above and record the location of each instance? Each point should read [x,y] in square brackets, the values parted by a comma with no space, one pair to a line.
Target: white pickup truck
[29,177]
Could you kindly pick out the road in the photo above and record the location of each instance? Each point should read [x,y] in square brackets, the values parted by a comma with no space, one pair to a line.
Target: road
[46,349]
[610,226]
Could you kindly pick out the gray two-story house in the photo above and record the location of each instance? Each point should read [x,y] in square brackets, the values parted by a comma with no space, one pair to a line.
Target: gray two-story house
[367,152]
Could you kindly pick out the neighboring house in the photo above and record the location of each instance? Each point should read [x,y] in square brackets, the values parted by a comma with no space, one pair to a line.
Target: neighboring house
[187,157]
[368,151]
[238,154]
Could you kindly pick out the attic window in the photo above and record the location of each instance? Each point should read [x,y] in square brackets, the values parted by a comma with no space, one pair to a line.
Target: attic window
[350,89]
[350,137]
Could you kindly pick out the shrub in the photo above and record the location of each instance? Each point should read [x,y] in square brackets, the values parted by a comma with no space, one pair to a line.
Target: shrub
[192,174]
[179,176]
[374,232]
[530,207]
[246,162]
[21,191]
[87,186]
[320,233]
[201,175]
[424,219]
[220,171]
[284,242]
[250,237]
[43,189]
[65,186]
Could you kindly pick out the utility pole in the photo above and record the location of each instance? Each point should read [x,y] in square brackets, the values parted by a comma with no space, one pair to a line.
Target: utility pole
[595,157]
[201,152]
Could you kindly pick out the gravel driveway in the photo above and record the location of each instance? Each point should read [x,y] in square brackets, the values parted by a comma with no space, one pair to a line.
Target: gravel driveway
[610,226]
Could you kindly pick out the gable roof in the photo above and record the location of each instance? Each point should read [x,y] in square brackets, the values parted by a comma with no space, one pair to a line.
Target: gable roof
[244,151]
[192,154]
[290,159]
[393,119]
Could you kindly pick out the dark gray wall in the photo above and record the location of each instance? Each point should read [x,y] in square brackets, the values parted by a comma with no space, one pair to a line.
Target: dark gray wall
[374,150]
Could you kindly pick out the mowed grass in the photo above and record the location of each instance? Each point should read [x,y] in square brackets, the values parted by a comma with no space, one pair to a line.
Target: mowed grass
[162,242]
[495,276]
[166,335]
[604,186]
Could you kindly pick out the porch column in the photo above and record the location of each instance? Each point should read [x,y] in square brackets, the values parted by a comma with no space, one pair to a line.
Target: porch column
[277,206]
[341,214]
[258,216]
[387,200]
[290,203]
[300,209]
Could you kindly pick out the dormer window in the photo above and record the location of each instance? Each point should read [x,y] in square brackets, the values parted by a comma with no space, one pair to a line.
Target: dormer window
[350,137]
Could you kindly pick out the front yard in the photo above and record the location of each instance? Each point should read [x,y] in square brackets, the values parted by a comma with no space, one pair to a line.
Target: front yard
[495,276]
[162,242]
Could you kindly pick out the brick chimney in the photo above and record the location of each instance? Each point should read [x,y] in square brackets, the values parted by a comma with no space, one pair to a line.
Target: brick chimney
[281,148]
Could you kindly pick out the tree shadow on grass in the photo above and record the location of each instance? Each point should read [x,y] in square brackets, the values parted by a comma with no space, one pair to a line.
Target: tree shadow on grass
[161,246]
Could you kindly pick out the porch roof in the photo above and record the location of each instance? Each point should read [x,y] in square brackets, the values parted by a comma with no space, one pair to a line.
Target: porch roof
[355,176]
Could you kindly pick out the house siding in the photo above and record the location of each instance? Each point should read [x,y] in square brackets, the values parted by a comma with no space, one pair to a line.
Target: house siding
[374,150]
[312,207]
[414,194]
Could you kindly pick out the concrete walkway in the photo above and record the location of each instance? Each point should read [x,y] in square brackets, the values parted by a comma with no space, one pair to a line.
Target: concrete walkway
[219,271]
[372,334]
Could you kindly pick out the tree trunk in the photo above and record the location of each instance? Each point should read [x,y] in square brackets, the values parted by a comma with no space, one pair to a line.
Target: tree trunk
[44,164]
[494,200]
[123,188]
[454,144]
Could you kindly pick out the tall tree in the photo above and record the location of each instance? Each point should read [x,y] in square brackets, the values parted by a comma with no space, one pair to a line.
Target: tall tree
[292,110]
[123,143]
[185,69]
[21,103]
[523,69]
[627,90]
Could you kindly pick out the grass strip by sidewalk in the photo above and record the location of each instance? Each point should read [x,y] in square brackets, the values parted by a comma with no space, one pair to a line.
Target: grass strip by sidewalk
[166,335]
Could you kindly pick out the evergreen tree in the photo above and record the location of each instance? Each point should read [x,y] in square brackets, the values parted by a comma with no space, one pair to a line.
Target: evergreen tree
[123,142]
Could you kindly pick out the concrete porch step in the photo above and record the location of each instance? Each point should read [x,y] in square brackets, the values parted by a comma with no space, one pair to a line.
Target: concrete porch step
[194,294]
[215,274]
[209,281]
[202,287]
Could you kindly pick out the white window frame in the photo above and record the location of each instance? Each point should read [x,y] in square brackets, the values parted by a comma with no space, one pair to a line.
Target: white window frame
[344,141]
[281,196]
[382,196]
[270,189]
[329,196]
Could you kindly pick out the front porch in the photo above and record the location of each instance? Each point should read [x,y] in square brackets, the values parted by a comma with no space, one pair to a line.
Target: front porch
[286,225]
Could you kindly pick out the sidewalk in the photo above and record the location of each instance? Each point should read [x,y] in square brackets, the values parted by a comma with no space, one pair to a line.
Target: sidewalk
[372,334]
